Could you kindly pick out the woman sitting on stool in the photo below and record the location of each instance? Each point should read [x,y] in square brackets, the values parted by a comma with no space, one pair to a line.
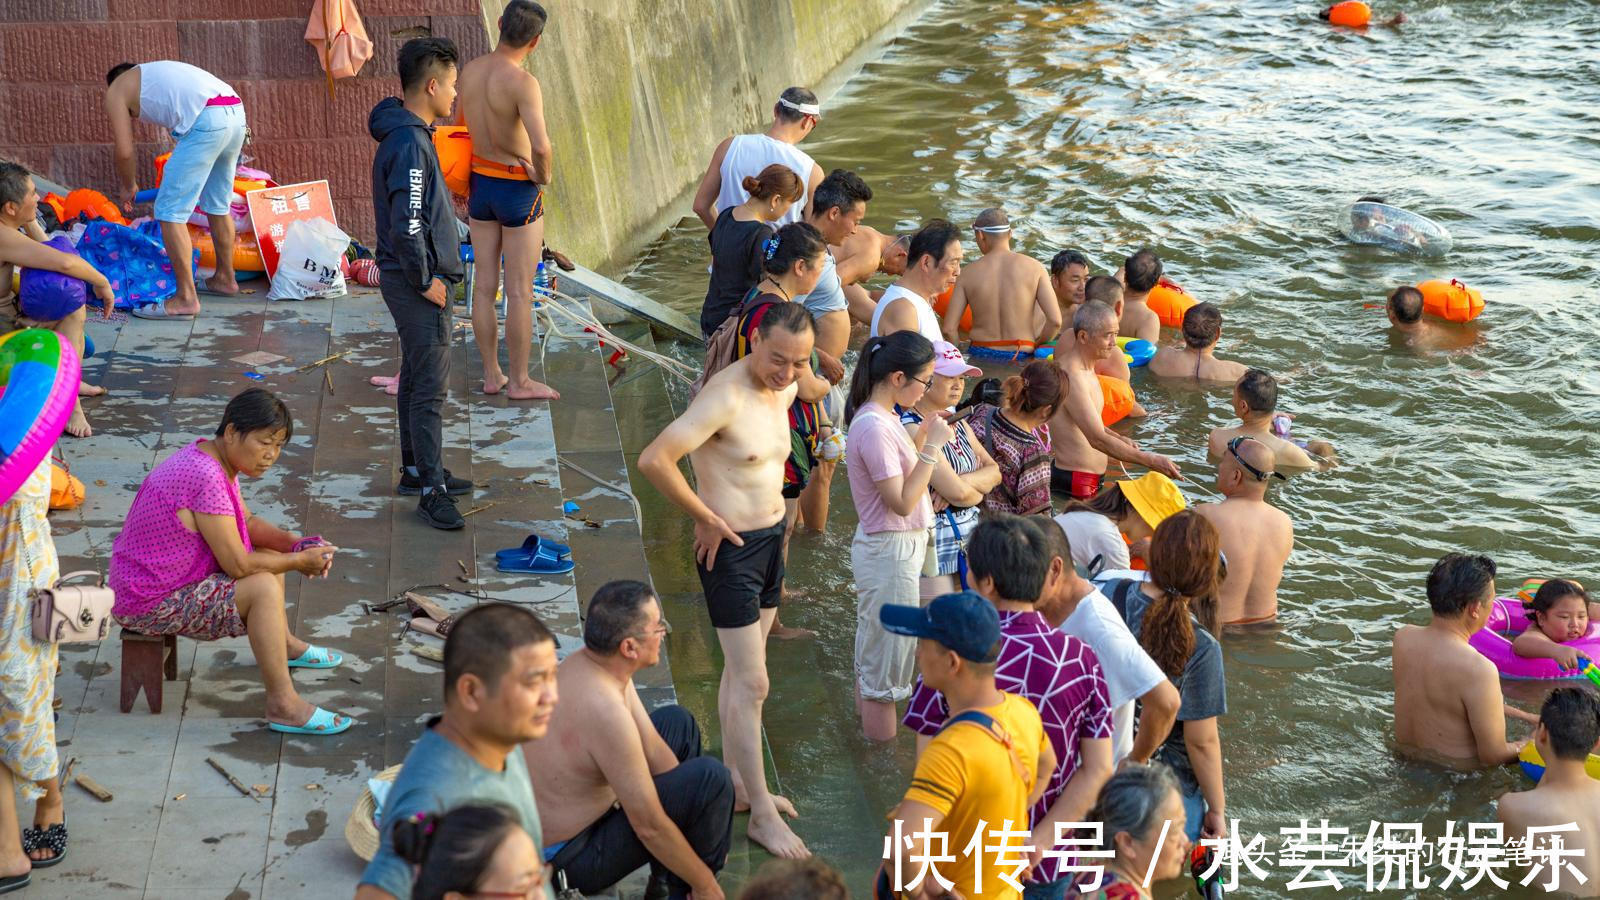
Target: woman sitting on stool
[192,561]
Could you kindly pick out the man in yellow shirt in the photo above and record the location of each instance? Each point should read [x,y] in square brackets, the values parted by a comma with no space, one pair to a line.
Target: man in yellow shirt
[978,777]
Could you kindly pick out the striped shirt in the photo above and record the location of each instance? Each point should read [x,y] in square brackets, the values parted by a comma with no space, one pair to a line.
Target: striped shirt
[1060,675]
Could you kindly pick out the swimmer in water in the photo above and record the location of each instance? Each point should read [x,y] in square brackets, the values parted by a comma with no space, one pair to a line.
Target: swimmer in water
[1560,615]
[1404,308]
[1014,308]
[1202,329]
[1141,273]
[1069,275]
[1105,290]
[1255,402]
[1569,726]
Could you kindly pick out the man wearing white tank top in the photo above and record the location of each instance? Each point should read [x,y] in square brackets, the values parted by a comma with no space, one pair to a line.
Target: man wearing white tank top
[205,116]
[933,263]
[793,117]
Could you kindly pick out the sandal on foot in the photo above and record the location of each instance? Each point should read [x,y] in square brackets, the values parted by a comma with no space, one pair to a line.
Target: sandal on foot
[158,311]
[52,838]
[316,658]
[15,882]
[321,722]
[535,544]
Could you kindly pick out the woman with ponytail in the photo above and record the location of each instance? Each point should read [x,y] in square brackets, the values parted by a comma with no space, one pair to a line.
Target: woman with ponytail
[737,240]
[1015,434]
[469,852]
[1174,616]
[890,471]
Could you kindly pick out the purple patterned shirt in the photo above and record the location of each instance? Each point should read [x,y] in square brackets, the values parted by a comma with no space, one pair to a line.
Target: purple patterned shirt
[1060,675]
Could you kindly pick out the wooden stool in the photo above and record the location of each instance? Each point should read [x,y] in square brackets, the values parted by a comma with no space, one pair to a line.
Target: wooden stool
[147,659]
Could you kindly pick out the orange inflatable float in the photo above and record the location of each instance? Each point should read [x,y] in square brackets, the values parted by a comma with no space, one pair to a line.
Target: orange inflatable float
[942,303]
[1350,13]
[90,203]
[1119,399]
[241,186]
[454,147]
[246,255]
[1450,300]
[1170,301]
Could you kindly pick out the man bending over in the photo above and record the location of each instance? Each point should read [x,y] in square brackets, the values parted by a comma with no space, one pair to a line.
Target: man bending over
[619,788]
[736,434]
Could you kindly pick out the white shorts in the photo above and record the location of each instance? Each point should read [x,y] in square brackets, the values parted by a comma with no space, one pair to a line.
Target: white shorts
[888,569]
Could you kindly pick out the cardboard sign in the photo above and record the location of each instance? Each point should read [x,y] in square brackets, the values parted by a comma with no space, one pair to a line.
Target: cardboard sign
[273,208]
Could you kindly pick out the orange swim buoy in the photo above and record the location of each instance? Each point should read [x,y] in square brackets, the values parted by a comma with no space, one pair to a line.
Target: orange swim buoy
[1450,300]
[246,254]
[1170,301]
[942,303]
[1350,13]
[92,204]
[454,147]
[1118,399]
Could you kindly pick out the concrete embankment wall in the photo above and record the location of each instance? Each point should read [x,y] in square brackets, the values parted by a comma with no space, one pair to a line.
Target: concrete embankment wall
[637,93]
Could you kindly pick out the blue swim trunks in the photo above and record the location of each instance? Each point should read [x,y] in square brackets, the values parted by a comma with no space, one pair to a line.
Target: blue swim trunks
[512,202]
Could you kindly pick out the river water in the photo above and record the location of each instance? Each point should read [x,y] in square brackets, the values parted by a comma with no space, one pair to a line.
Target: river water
[1231,135]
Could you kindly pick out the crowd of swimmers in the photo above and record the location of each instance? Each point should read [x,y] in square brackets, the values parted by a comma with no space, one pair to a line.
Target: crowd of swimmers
[1051,637]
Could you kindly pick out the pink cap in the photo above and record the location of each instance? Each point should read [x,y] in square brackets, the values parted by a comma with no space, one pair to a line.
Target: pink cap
[949,362]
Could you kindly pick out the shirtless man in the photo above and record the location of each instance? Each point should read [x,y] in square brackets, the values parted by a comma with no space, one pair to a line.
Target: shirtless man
[736,434]
[22,247]
[1069,275]
[838,205]
[1202,329]
[503,108]
[618,788]
[1404,308]
[1256,536]
[933,263]
[793,117]
[1080,442]
[1447,699]
[1255,401]
[1141,272]
[1569,725]
[869,253]
[1008,292]
[1106,290]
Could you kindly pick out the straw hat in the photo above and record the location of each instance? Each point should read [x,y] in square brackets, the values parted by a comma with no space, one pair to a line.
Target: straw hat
[1154,496]
[359,831]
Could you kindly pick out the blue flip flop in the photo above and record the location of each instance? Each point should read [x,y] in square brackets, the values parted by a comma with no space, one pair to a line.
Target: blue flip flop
[535,544]
[321,722]
[316,658]
[538,563]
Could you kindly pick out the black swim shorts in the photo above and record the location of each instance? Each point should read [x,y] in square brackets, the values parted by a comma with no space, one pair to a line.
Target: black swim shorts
[512,202]
[745,580]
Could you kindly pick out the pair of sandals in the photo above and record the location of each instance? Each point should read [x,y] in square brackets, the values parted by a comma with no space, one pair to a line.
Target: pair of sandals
[52,838]
[322,721]
[537,556]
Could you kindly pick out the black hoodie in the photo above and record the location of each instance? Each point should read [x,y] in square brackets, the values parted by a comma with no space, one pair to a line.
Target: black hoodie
[416,224]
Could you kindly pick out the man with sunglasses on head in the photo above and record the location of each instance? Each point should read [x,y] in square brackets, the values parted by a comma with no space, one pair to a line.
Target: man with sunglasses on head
[793,117]
[1256,536]
[620,788]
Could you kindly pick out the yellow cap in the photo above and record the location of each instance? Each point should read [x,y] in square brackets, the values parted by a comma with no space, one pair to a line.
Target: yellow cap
[1154,496]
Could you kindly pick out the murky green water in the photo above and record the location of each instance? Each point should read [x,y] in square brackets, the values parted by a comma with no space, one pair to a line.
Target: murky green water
[1230,134]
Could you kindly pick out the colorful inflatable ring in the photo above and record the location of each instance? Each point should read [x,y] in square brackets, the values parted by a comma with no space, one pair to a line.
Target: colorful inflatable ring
[942,303]
[1350,14]
[1118,399]
[1507,619]
[1533,764]
[1450,300]
[38,386]
[454,147]
[1136,351]
[246,255]
[1170,301]
[1393,228]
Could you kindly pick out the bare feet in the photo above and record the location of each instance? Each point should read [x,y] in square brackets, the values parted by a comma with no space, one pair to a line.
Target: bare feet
[384,380]
[85,389]
[499,384]
[774,834]
[393,389]
[531,390]
[78,426]
[741,803]
[782,632]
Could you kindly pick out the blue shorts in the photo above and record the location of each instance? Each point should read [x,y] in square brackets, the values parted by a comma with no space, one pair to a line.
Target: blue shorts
[512,202]
[1011,354]
[200,171]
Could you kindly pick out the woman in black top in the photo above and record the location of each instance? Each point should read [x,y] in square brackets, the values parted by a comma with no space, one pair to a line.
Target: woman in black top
[737,237]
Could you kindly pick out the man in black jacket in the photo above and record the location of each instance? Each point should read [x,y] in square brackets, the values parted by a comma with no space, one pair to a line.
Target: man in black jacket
[419,260]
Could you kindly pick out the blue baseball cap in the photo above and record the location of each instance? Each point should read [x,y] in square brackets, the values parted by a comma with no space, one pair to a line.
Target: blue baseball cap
[964,622]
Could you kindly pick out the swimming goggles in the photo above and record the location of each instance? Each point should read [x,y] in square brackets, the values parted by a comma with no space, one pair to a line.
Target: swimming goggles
[1233,448]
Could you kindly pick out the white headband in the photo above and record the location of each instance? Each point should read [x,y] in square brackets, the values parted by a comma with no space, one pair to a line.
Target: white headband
[993,229]
[806,109]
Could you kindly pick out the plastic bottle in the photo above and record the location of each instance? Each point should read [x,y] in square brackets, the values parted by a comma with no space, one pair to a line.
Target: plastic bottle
[541,285]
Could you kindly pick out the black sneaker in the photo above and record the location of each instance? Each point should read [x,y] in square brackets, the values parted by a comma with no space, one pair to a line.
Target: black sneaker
[438,509]
[411,485]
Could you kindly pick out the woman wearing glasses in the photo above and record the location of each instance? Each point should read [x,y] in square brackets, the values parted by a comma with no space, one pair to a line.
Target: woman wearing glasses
[470,852]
